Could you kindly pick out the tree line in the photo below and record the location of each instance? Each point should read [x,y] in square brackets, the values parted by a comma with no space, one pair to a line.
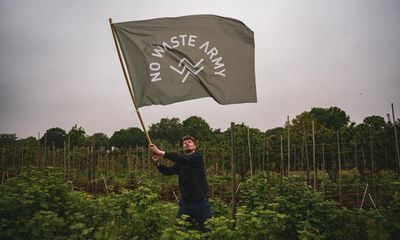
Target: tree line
[324,134]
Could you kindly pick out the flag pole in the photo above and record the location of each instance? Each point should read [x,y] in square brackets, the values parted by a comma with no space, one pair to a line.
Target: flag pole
[129,83]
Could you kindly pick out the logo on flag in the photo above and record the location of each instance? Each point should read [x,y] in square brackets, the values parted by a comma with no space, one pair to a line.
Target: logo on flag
[188,68]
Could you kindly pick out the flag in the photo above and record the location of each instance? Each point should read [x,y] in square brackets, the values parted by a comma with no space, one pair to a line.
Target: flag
[177,59]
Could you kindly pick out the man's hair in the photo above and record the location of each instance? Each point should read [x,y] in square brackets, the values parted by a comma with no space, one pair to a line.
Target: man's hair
[186,137]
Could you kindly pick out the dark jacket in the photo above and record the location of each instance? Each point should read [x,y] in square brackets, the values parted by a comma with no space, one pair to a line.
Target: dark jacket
[190,169]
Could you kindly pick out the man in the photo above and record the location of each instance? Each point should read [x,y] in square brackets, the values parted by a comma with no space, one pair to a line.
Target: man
[192,180]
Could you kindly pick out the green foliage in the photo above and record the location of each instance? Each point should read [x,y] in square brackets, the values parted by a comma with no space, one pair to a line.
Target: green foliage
[306,213]
[30,200]
[196,127]
[77,136]
[392,216]
[45,225]
[259,223]
[7,139]
[80,215]
[99,140]
[220,228]
[28,142]
[131,137]
[39,206]
[54,135]
[134,215]
[182,230]
[374,122]
[170,130]
[254,192]
[219,208]
[307,209]
[332,118]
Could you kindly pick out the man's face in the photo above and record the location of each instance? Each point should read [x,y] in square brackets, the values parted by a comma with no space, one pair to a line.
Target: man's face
[188,146]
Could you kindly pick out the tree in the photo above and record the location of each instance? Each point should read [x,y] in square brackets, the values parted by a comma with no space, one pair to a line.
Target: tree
[333,117]
[273,137]
[197,127]
[375,122]
[29,141]
[372,134]
[56,135]
[241,138]
[77,136]
[99,139]
[7,139]
[131,137]
[167,129]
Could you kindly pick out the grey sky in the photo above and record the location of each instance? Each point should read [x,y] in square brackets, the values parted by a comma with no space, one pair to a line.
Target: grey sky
[58,64]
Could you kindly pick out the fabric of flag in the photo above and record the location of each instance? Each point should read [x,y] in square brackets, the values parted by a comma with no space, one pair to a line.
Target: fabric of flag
[177,59]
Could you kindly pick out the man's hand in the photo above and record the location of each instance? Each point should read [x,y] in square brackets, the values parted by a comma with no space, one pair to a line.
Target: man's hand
[155,151]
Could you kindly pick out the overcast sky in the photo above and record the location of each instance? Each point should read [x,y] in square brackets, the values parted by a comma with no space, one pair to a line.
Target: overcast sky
[58,64]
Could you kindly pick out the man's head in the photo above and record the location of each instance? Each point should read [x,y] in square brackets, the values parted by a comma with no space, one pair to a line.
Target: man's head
[188,144]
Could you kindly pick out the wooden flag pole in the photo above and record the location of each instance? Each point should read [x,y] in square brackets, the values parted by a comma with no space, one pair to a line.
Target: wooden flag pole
[128,82]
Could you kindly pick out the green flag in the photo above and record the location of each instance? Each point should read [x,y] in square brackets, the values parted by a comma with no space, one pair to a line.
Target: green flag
[176,59]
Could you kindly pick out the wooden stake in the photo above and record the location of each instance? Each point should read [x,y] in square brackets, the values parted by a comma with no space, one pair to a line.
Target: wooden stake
[386,159]
[288,147]
[396,142]
[21,163]
[38,153]
[356,157]
[372,162]
[89,172]
[250,159]
[302,156]
[281,160]
[295,163]
[243,172]
[306,152]
[314,165]
[93,169]
[357,172]
[65,160]
[14,165]
[323,157]
[44,151]
[3,165]
[365,193]
[233,173]
[176,198]
[262,168]
[373,203]
[105,184]
[364,161]
[69,157]
[266,150]
[340,168]
[128,82]
[54,155]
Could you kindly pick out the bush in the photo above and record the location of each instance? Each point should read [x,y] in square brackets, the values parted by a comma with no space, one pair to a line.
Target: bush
[30,200]
[136,214]
[39,205]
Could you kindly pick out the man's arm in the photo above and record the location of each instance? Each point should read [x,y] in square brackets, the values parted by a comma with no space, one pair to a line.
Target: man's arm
[162,168]
[168,171]
[192,159]
[195,159]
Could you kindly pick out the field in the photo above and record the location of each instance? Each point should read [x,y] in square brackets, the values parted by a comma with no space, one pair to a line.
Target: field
[86,194]
[318,177]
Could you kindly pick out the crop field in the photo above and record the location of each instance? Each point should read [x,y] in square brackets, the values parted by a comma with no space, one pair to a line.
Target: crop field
[337,182]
